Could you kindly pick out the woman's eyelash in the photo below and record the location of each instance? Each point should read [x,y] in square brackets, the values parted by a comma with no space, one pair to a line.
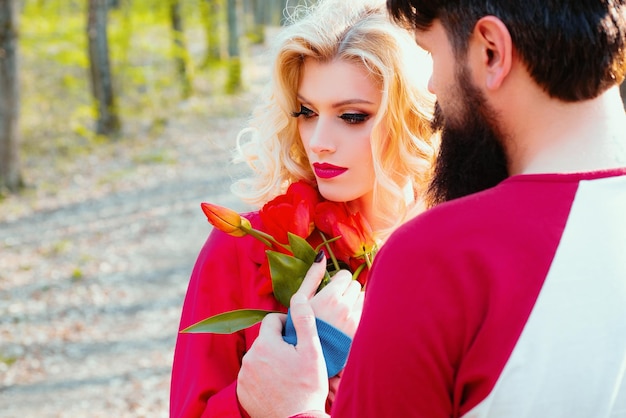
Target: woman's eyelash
[304,111]
[350,118]
[353,118]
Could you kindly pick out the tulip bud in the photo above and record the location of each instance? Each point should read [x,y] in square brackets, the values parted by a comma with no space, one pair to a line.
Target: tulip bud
[226,220]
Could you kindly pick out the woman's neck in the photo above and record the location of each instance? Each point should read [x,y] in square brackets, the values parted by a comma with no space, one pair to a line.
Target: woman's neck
[366,208]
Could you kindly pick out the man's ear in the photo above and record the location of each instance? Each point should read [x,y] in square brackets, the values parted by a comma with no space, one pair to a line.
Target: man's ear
[493,40]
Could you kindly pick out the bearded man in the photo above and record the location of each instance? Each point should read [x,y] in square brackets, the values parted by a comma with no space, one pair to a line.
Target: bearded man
[509,301]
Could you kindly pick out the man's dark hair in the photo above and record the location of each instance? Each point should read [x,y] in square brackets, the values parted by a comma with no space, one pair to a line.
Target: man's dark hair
[573,49]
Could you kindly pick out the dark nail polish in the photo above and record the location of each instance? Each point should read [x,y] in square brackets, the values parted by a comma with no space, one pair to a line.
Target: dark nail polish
[319,256]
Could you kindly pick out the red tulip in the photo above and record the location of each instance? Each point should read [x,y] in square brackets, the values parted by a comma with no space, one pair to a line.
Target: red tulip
[284,259]
[335,219]
[226,220]
[291,212]
[357,236]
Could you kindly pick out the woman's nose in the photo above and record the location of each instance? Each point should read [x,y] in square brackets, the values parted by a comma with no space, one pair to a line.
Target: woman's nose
[322,136]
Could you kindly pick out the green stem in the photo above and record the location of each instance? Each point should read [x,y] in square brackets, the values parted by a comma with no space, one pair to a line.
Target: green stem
[265,238]
[324,282]
[330,252]
[358,270]
[368,260]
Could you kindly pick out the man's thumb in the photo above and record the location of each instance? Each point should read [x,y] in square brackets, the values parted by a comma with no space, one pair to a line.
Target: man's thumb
[303,319]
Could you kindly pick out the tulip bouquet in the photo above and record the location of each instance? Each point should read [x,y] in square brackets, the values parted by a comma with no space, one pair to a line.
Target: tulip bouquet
[296,226]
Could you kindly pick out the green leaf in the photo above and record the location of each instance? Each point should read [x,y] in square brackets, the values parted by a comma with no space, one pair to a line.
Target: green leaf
[287,274]
[228,322]
[301,248]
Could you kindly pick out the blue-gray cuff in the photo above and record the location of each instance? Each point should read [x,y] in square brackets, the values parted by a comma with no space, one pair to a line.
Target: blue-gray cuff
[335,344]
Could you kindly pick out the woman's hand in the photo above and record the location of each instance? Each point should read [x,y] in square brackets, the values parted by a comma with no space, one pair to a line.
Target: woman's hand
[340,303]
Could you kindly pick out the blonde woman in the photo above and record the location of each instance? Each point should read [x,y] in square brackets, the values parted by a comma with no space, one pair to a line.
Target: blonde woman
[346,112]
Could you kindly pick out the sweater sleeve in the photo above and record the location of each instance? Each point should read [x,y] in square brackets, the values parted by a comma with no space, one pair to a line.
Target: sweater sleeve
[447,300]
[335,344]
[406,351]
[205,366]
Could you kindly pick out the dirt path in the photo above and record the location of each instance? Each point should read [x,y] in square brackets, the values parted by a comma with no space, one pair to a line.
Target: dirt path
[92,279]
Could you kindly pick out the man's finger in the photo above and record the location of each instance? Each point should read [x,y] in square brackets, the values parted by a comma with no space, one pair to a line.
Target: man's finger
[313,278]
[273,324]
[304,322]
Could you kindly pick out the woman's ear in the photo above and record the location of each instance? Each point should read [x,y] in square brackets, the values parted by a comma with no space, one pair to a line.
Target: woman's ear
[493,39]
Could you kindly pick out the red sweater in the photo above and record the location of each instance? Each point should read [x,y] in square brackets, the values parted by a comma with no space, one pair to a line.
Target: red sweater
[506,303]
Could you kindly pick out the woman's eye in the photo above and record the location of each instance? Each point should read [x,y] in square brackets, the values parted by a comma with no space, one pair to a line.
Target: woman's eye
[304,112]
[354,118]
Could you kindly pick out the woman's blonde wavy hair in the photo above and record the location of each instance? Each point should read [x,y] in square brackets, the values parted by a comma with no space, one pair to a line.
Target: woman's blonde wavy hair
[403,146]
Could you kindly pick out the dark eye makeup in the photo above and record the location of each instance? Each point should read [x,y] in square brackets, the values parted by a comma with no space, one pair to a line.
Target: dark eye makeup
[304,111]
[349,118]
[354,118]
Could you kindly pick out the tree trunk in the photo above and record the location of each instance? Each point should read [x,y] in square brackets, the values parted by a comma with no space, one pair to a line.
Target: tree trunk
[233,82]
[273,12]
[211,10]
[108,122]
[254,20]
[179,48]
[10,176]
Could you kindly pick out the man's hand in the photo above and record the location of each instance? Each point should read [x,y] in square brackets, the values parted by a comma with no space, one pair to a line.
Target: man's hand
[278,379]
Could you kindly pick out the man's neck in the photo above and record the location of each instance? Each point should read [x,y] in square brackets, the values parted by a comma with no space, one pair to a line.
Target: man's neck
[559,137]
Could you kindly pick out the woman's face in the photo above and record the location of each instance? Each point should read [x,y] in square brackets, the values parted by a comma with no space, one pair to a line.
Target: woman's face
[338,102]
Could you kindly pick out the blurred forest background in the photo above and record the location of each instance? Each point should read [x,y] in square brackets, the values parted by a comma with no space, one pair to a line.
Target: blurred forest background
[117,118]
[76,72]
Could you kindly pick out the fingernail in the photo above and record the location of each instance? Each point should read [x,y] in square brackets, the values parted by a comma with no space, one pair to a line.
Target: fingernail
[319,256]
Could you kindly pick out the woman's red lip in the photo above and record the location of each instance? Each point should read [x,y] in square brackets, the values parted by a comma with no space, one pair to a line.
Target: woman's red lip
[327,171]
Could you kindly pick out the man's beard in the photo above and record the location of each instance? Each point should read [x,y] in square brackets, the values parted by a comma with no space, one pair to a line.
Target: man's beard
[471,156]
